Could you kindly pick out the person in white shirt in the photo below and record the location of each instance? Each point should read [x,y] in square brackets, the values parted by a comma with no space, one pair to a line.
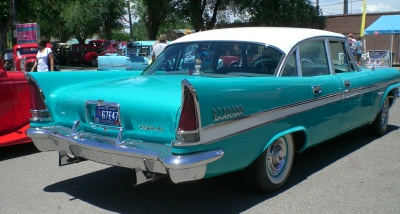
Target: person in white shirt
[44,57]
[159,46]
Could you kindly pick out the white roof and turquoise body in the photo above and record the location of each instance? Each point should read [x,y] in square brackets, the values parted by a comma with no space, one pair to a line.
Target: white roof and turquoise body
[214,102]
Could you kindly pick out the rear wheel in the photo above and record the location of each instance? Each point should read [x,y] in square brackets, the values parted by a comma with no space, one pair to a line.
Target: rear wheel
[272,168]
[379,126]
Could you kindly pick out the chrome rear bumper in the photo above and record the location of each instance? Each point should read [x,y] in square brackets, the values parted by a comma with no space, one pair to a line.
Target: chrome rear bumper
[137,155]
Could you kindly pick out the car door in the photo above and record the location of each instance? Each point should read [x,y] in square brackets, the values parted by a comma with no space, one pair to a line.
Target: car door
[326,90]
[6,106]
[358,94]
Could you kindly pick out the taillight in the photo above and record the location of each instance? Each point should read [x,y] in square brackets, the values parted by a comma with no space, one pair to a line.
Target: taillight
[37,102]
[188,120]
[38,108]
[188,127]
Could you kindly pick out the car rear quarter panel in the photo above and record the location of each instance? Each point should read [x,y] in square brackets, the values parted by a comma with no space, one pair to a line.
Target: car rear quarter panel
[263,100]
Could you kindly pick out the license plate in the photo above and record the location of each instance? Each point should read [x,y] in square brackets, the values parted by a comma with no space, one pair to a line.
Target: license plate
[106,115]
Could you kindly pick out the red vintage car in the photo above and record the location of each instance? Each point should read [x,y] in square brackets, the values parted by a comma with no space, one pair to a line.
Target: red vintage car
[14,107]
[25,56]
[87,53]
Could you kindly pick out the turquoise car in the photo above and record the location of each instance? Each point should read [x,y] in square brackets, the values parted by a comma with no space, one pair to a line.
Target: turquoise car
[214,102]
[134,56]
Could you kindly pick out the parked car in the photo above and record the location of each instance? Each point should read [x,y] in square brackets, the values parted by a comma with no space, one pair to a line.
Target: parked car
[25,56]
[87,53]
[14,107]
[61,50]
[190,116]
[134,56]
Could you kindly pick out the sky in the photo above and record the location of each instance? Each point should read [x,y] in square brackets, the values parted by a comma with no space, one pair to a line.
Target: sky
[335,7]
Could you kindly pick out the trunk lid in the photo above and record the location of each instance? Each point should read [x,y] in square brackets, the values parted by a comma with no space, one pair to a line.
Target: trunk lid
[148,105]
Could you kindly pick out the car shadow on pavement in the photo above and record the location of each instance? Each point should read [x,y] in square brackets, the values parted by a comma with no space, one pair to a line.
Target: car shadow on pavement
[15,151]
[112,188]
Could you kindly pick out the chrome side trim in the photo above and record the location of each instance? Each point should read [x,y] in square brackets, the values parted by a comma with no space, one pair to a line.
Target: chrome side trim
[129,153]
[213,133]
[221,131]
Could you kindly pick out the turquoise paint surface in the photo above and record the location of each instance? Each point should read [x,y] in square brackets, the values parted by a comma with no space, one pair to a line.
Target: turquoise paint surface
[156,100]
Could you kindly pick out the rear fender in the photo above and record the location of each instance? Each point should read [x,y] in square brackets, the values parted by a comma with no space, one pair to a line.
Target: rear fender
[290,131]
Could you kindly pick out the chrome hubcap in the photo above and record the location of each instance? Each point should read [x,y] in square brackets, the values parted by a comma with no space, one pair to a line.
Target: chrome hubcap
[276,157]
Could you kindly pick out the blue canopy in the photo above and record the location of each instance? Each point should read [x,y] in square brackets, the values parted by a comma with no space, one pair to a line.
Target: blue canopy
[389,24]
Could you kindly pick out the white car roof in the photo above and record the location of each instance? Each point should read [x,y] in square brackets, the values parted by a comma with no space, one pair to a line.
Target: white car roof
[283,38]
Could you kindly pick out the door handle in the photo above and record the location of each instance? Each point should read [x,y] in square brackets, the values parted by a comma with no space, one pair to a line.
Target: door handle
[347,83]
[317,89]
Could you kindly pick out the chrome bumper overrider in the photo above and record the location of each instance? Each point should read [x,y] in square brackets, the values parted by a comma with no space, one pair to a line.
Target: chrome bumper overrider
[133,154]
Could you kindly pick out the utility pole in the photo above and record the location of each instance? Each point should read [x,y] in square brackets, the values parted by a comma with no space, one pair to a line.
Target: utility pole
[130,20]
[14,24]
[345,6]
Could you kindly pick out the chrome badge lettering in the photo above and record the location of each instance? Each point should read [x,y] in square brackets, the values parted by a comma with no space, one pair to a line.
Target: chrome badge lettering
[151,128]
[228,112]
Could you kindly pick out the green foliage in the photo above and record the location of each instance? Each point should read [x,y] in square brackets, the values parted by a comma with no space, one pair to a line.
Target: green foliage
[84,19]
[285,13]
[4,12]
[93,17]
[121,34]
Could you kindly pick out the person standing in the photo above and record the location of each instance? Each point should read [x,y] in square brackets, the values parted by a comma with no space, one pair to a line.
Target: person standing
[8,58]
[189,60]
[352,42]
[159,46]
[44,57]
[358,45]
[119,45]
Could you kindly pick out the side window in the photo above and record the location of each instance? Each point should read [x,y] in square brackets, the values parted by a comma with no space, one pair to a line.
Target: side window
[340,58]
[290,67]
[313,59]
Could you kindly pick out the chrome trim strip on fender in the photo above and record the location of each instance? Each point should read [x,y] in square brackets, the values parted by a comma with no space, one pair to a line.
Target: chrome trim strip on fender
[213,133]
[226,129]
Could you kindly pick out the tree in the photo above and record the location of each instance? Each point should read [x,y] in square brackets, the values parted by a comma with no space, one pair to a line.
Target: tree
[202,14]
[285,13]
[87,18]
[169,14]
[5,20]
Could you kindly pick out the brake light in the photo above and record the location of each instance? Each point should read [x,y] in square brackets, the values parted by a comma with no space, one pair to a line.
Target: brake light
[37,102]
[188,120]
[188,127]
[39,110]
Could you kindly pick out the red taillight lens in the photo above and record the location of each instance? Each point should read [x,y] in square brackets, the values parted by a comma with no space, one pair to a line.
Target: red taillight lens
[188,120]
[37,102]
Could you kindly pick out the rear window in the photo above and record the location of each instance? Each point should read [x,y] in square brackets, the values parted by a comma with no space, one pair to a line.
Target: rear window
[221,58]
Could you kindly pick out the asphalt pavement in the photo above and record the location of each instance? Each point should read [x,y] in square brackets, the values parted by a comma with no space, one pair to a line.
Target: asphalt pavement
[355,173]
